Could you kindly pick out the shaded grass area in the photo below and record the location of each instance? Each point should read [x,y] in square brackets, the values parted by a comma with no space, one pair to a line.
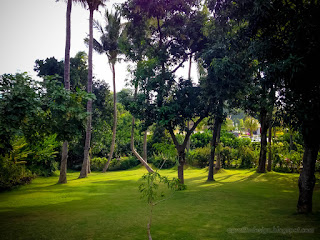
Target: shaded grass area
[108,206]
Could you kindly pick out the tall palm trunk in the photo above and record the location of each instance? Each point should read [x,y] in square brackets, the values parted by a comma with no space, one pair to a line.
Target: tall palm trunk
[64,155]
[84,170]
[114,131]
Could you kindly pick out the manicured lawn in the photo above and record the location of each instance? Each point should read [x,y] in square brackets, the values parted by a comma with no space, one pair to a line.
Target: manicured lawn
[108,206]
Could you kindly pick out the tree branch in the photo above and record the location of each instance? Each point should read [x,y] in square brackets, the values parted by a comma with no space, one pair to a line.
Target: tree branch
[180,64]
[189,132]
[174,139]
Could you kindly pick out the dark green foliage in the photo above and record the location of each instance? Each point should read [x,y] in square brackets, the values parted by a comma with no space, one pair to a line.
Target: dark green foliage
[163,163]
[226,156]
[41,159]
[13,174]
[164,155]
[19,108]
[78,70]
[65,109]
[200,140]
[124,163]
[248,157]
[199,157]
[35,116]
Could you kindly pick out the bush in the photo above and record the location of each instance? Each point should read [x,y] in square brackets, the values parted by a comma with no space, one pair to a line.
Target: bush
[199,140]
[13,174]
[225,155]
[160,161]
[199,157]
[97,164]
[248,157]
[41,158]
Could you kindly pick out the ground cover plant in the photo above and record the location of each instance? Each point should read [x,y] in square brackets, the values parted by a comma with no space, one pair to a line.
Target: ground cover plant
[109,206]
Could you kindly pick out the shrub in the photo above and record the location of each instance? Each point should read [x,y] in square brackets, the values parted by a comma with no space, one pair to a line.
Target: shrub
[199,157]
[160,161]
[248,157]
[13,174]
[41,157]
[199,140]
[124,163]
[225,155]
[97,163]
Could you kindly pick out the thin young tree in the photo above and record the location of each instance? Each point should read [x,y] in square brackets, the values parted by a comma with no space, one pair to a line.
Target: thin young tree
[109,44]
[93,6]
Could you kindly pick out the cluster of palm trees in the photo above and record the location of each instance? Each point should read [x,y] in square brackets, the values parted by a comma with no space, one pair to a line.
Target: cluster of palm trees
[108,44]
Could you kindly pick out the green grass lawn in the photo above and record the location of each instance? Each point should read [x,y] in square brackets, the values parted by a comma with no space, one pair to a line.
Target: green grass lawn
[108,206]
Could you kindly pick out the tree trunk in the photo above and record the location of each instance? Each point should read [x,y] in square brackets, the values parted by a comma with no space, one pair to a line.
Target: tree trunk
[63,166]
[145,145]
[189,77]
[218,163]
[263,150]
[182,160]
[67,49]
[114,131]
[89,160]
[307,179]
[270,150]
[218,121]
[213,149]
[84,169]
[64,154]
[189,141]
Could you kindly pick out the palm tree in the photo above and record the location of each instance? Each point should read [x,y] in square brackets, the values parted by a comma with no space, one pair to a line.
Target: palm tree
[64,155]
[93,5]
[109,44]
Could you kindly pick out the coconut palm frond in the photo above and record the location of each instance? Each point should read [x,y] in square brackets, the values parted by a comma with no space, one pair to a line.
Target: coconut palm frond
[97,25]
[97,46]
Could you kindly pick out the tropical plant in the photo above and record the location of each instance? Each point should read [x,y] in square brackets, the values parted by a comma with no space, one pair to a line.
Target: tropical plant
[109,44]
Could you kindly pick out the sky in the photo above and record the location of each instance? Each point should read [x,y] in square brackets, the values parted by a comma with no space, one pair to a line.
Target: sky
[35,29]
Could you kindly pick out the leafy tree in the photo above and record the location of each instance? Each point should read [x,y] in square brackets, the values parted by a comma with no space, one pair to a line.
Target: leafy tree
[157,38]
[225,78]
[284,39]
[37,111]
[19,104]
[78,70]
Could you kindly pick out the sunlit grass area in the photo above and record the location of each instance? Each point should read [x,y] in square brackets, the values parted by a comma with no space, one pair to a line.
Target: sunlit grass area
[108,206]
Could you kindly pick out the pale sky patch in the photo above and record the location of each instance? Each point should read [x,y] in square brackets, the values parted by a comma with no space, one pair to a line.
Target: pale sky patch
[35,29]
